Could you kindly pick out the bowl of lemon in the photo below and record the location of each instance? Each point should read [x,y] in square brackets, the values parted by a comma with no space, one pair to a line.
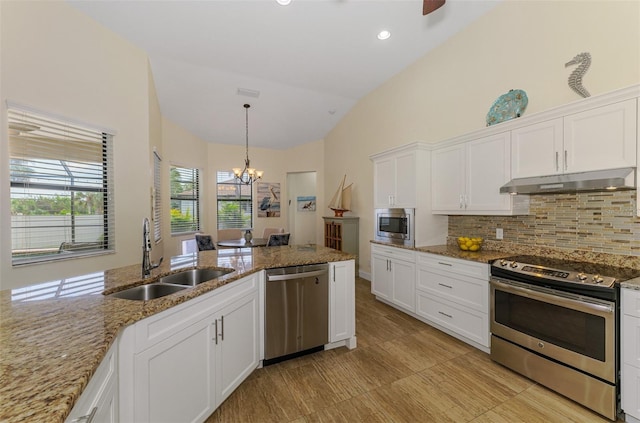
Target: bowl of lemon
[470,244]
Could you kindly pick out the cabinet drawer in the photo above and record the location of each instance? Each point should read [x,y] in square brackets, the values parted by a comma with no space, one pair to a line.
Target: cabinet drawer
[630,302]
[396,253]
[100,386]
[466,322]
[467,291]
[162,325]
[449,264]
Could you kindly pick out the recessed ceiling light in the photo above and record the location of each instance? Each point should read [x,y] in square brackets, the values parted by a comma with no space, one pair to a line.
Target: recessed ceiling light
[384,34]
[284,2]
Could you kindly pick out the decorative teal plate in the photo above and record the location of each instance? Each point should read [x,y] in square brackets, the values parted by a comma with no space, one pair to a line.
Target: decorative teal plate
[507,106]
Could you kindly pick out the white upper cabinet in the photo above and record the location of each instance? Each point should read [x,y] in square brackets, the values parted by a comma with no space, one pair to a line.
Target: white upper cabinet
[467,178]
[602,138]
[395,180]
[596,139]
[535,149]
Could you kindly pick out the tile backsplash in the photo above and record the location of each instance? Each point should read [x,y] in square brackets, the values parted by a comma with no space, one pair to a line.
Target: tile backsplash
[595,222]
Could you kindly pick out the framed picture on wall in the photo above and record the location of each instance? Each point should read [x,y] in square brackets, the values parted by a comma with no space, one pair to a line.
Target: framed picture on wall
[306,203]
[268,199]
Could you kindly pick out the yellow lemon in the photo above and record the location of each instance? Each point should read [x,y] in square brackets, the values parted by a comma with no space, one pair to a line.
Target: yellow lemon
[464,247]
[474,247]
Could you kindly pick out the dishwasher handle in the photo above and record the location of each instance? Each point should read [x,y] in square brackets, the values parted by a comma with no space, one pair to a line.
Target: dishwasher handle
[273,278]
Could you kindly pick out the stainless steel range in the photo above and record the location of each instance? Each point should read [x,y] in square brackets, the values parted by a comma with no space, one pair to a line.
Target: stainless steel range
[557,322]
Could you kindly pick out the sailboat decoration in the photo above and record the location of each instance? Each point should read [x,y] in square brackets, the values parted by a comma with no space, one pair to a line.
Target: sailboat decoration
[341,201]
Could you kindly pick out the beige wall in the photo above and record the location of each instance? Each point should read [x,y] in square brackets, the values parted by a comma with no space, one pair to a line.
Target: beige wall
[59,61]
[518,45]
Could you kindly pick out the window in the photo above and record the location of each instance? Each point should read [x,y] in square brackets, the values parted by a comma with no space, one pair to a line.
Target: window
[157,198]
[185,200]
[61,188]
[234,202]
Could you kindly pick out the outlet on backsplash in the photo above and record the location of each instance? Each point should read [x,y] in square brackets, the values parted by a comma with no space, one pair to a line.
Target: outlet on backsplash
[499,233]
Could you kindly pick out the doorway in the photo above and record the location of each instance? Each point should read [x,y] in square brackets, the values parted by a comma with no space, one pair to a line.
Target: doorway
[302,213]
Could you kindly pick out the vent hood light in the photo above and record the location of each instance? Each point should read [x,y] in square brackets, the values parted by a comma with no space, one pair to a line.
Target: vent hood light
[600,180]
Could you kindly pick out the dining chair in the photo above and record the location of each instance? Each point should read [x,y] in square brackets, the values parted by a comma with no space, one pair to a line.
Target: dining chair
[204,242]
[278,239]
[269,231]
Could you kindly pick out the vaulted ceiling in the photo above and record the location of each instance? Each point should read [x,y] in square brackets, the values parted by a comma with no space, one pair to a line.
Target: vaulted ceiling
[302,67]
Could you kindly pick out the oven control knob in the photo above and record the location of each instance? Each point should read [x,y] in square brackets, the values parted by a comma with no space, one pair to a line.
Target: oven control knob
[597,279]
[514,264]
[582,276]
[503,262]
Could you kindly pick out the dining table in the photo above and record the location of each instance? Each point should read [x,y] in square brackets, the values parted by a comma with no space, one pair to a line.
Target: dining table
[242,243]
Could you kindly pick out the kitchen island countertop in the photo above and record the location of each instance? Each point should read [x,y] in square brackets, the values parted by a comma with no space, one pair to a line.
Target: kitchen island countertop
[52,337]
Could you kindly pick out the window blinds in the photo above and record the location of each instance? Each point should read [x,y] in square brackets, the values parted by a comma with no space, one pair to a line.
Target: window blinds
[157,198]
[185,200]
[61,188]
[235,202]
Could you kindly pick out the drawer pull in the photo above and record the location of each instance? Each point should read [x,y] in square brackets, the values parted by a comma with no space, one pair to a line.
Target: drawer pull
[445,314]
[446,286]
[445,264]
[216,338]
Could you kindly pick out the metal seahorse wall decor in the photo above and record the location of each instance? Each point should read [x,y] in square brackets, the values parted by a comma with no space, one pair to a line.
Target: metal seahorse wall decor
[575,79]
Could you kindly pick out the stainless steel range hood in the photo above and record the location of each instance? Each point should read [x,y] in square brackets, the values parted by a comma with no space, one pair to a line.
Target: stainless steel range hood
[600,180]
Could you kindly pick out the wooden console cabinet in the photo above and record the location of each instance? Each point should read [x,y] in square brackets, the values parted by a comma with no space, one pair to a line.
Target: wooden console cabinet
[341,233]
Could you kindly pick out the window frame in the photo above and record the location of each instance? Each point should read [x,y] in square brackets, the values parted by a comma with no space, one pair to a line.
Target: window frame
[40,170]
[229,176]
[196,221]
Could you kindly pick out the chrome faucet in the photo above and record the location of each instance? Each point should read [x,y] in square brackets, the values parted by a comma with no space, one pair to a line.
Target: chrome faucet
[147,266]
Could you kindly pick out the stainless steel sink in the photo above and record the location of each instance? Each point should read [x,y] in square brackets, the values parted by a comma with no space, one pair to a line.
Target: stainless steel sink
[147,292]
[194,277]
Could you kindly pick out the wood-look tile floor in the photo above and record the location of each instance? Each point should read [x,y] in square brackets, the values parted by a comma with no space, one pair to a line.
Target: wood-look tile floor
[402,371]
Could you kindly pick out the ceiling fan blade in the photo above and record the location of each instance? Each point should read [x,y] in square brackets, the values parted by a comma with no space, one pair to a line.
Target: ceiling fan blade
[429,6]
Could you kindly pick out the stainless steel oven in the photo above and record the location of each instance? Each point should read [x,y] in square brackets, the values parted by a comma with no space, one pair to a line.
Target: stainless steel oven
[557,322]
[395,226]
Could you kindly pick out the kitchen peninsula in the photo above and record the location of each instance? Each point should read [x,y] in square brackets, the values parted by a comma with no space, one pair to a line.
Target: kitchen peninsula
[53,336]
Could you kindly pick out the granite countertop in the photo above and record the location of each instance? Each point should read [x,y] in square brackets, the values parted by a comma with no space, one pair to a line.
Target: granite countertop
[493,250]
[53,335]
[485,255]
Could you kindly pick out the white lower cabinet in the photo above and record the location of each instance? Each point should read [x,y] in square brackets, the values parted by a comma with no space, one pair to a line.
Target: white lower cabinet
[99,400]
[447,293]
[454,294]
[180,364]
[393,275]
[342,303]
[630,354]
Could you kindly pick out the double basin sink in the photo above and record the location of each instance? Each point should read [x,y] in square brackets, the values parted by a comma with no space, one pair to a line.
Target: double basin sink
[170,284]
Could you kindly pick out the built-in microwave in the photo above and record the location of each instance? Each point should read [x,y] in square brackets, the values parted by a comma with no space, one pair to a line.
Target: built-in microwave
[395,226]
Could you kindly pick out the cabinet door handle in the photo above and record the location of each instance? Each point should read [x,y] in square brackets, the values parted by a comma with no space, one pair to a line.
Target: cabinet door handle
[466,201]
[446,286]
[222,328]
[460,199]
[389,265]
[566,163]
[88,418]
[216,337]
[557,162]
[446,315]
[334,273]
[445,264]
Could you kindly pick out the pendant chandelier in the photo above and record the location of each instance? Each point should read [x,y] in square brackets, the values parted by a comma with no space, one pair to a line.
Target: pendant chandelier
[247,175]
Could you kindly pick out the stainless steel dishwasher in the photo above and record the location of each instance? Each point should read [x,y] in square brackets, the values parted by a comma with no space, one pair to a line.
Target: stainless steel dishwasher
[296,311]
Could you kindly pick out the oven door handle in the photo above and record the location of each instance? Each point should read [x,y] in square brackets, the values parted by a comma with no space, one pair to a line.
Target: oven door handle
[559,298]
